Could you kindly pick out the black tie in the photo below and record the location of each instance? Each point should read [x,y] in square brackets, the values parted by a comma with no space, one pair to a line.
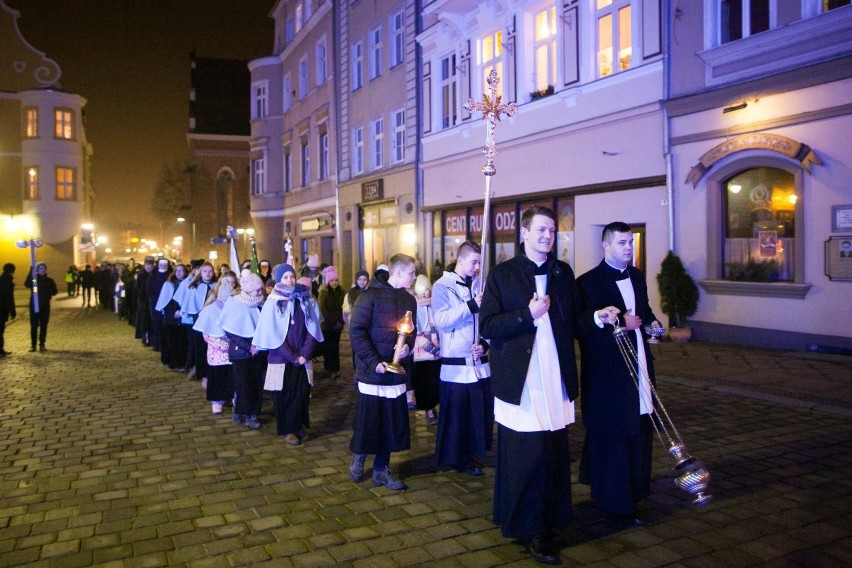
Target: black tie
[621,275]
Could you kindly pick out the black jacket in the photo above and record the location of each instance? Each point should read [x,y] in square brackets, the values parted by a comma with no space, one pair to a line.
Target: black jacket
[46,291]
[372,331]
[610,397]
[331,307]
[505,320]
[7,297]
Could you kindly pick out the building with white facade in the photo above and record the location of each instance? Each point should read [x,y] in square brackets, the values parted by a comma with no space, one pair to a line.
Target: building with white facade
[587,76]
[760,115]
[293,167]
[45,187]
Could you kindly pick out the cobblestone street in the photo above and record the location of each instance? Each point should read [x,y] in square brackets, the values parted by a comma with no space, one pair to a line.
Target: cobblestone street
[108,459]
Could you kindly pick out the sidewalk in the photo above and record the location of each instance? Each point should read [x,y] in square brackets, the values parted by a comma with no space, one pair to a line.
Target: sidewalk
[107,459]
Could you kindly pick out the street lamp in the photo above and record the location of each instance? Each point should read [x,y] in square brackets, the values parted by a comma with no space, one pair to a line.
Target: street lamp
[192,241]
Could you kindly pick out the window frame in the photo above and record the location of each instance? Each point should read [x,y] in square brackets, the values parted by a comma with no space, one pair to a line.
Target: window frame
[396,31]
[398,138]
[305,160]
[357,65]
[70,193]
[374,38]
[30,120]
[32,190]
[358,150]
[451,81]
[64,129]
[260,99]
[496,60]
[304,77]
[377,143]
[288,167]
[613,10]
[321,61]
[715,283]
[258,175]
[323,149]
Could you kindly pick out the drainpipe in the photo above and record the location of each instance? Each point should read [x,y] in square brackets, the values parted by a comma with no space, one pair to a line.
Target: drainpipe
[668,21]
[418,124]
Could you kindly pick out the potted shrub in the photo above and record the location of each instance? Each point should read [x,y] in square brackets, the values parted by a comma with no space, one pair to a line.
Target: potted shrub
[679,296]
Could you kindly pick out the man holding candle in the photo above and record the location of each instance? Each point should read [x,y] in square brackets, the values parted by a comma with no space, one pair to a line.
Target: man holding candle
[380,424]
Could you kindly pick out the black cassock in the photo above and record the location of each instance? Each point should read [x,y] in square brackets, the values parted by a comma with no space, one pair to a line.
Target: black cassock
[616,459]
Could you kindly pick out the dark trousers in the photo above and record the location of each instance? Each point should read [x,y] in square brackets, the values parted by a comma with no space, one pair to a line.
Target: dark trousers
[331,350]
[156,329]
[87,295]
[38,326]
[3,318]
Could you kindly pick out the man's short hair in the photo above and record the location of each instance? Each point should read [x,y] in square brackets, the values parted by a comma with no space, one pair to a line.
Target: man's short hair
[527,216]
[8,268]
[615,227]
[399,260]
[468,247]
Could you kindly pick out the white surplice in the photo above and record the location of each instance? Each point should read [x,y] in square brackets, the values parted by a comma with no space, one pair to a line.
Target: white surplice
[646,403]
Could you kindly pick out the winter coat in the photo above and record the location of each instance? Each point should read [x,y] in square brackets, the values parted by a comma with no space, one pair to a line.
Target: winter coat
[331,307]
[373,333]
[506,321]
[453,311]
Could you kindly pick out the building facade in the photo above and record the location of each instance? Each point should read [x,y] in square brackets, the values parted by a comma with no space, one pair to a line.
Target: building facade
[587,77]
[760,110]
[293,136]
[378,176]
[218,174]
[45,182]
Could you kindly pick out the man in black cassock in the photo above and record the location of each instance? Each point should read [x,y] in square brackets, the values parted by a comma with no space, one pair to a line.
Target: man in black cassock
[527,314]
[616,459]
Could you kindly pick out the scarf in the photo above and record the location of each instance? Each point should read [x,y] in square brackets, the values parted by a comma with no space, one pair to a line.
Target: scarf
[277,315]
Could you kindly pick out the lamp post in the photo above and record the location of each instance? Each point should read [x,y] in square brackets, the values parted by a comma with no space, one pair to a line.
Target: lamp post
[192,241]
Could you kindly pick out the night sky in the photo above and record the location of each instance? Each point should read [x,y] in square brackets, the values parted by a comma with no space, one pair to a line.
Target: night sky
[130,60]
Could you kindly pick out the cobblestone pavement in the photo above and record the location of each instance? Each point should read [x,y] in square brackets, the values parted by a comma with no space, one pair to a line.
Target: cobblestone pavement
[107,459]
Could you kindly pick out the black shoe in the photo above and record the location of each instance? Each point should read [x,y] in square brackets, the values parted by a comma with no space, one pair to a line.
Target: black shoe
[542,552]
[4,353]
[42,347]
[32,349]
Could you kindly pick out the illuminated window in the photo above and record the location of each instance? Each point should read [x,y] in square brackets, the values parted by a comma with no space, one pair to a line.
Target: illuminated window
[545,49]
[64,184]
[491,57]
[375,52]
[449,92]
[358,150]
[31,182]
[615,36]
[31,122]
[377,139]
[64,120]
[397,38]
[357,65]
[398,150]
[760,225]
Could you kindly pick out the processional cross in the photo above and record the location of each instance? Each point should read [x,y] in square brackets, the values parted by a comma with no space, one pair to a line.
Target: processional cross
[492,107]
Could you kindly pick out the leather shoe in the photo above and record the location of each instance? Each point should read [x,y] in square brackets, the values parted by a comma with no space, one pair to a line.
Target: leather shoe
[292,440]
[543,553]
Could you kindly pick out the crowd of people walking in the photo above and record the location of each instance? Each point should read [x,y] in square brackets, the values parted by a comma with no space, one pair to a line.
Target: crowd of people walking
[480,352]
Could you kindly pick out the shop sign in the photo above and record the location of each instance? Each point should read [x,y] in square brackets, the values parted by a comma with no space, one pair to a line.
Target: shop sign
[455,222]
[505,222]
[372,191]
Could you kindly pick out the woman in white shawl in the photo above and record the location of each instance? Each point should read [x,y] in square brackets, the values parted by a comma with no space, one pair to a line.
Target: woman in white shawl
[191,299]
[289,328]
[239,318]
[220,384]
[173,335]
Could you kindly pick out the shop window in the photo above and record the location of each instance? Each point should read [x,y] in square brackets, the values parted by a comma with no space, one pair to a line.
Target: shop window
[615,36]
[760,226]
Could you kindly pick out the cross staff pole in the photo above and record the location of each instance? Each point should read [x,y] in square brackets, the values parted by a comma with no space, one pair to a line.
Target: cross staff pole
[32,244]
[492,108]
